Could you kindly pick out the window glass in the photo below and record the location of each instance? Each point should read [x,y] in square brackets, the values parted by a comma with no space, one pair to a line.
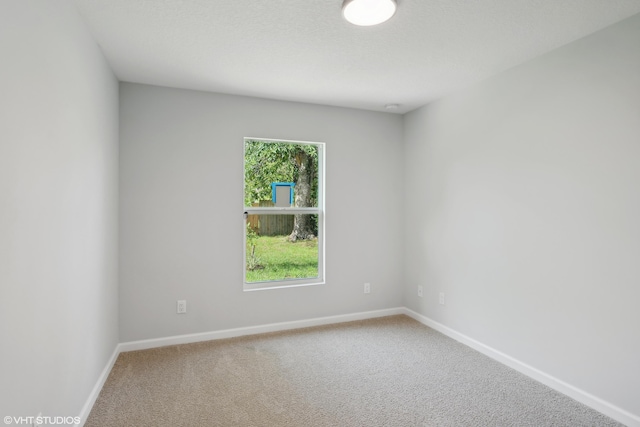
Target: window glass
[271,256]
[284,213]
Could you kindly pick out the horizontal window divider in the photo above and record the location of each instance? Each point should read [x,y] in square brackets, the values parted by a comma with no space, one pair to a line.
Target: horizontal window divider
[281,211]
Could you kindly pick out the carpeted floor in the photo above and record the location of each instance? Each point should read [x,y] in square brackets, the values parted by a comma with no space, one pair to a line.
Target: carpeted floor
[390,371]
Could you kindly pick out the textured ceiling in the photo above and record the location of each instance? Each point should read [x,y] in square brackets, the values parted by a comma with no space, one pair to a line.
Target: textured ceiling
[303,50]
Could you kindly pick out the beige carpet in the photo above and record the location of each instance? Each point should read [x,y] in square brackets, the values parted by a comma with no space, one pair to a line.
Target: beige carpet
[391,371]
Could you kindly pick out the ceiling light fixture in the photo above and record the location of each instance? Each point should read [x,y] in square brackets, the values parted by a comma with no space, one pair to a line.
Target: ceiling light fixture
[368,12]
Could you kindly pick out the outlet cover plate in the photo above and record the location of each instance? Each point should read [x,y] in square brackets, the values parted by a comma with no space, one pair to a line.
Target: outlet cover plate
[181,306]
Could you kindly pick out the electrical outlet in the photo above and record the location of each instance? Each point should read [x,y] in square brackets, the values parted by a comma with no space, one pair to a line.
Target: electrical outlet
[441,298]
[420,291]
[182,306]
[367,288]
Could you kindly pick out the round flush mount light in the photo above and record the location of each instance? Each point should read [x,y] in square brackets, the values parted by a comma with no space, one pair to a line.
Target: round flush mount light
[368,12]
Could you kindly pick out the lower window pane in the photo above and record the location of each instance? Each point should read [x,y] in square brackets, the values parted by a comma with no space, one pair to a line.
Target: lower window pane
[281,247]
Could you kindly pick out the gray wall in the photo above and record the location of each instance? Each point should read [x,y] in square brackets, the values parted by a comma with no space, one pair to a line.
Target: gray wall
[181,188]
[523,207]
[58,210]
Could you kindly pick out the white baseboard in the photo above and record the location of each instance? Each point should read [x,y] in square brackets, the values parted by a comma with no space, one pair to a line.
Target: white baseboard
[575,393]
[259,329]
[95,392]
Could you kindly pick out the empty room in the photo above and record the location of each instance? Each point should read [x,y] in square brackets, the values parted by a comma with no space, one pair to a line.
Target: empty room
[320,213]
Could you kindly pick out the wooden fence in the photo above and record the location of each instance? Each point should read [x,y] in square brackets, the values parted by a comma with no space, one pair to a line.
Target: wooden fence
[270,225]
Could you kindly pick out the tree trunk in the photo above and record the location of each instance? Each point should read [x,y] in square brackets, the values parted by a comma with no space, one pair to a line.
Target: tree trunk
[301,222]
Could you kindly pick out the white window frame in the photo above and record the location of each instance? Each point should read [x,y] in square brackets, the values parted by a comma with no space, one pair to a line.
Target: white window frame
[319,210]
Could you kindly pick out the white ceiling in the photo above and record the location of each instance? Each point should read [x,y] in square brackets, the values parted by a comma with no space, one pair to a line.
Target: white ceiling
[303,50]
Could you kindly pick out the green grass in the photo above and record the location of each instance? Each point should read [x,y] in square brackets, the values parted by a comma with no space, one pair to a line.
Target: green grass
[279,259]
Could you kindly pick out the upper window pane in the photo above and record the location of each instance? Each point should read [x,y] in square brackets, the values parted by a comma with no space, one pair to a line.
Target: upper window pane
[280,174]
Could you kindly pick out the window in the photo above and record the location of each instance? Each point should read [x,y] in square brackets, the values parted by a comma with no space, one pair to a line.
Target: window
[284,213]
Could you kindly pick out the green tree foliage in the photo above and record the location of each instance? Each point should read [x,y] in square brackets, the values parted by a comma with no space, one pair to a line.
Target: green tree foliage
[267,162]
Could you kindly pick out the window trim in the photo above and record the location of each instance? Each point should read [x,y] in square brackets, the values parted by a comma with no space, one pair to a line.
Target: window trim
[319,210]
